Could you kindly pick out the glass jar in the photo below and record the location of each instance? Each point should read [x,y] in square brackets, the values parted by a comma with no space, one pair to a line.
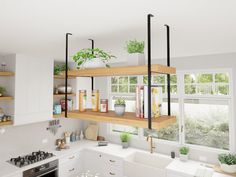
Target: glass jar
[95,100]
[82,100]
[104,105]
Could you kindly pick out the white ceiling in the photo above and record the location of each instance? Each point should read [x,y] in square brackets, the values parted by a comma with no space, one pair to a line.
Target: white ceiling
[39,26]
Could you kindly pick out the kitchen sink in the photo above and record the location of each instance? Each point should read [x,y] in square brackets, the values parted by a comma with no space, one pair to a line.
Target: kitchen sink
[140,164]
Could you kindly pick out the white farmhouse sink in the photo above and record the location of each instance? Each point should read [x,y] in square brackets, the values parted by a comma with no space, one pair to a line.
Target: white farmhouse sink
[141,164]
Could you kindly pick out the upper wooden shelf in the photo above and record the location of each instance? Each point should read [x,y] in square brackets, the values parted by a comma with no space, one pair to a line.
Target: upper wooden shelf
[6,73]
[128,119]
[6,123]
[62,77]
[118,71]
[6,98]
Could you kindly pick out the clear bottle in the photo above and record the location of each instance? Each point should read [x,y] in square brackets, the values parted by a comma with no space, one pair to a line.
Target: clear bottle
[82,100]
[95,100]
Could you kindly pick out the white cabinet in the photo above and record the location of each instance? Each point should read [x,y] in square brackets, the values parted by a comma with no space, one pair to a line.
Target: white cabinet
[103,164]
[70,165]
[33,89]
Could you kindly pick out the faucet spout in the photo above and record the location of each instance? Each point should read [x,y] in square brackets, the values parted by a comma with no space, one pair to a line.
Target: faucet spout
[149,138]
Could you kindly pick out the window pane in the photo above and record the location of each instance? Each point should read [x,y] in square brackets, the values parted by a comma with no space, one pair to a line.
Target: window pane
[222,89]
[205,78]
[170,133]
[190,89]
[123,80]
[205,90]
[123,88]
[222,78]
[133,80]
[173,79]
[145,80]
[114,88]
[123,128]
[173,89]
[207,123]
[132,89]
[114,80]
[159,79]
[189,78]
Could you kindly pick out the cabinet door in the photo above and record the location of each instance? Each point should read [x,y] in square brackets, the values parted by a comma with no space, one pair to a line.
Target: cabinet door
[33,89]
[93,162]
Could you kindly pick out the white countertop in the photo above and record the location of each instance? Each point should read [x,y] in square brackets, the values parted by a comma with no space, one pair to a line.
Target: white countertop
[188,168]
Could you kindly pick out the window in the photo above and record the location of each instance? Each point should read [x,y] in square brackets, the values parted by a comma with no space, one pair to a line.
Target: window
[123,84]
[200,100]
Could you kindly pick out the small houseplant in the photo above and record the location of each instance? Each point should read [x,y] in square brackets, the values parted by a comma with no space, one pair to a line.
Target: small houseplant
[227,162]
[58,69]
[92,58]
[2,91]
[119,107]
[125,137]
[135,50]
[183,153]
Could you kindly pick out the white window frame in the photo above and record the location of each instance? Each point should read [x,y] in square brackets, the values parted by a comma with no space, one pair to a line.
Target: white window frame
[182,96]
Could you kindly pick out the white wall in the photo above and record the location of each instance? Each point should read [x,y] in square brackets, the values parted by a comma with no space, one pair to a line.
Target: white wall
[189,63]
[25,139]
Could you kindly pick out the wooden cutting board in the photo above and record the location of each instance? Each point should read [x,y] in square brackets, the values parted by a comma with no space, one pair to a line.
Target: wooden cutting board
[218,169]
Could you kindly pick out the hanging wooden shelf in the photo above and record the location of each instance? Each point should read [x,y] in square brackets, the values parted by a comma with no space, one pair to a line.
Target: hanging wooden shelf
[6,123]
[128,119]
[6,73]
[118,71]
[62,77]
[63,95]
[6,98]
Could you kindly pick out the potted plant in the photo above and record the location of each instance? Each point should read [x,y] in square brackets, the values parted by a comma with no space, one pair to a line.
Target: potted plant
[125,137]
[135,50]
[58,69]
[227,162]
[2,91]
[119,107]
[183,153]
[92,58]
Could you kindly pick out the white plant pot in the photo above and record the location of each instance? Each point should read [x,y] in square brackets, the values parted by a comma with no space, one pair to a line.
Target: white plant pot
[72,65]
[125,145]
[135,59]
[94,63]
[119,110]
[183,158]
[228,168]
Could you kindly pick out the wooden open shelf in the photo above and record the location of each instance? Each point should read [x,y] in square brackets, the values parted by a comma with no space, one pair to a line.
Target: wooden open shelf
[6,73]
[59,115]
[6,123]
[63,95]
[6,98]
[128,119]
[62,77]
[118,71]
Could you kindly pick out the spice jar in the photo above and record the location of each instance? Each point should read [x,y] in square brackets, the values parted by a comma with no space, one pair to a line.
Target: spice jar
[104,105]
[95,100]
[82,100]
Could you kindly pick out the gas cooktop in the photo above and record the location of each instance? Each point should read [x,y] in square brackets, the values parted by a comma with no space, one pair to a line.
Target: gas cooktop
[34,157]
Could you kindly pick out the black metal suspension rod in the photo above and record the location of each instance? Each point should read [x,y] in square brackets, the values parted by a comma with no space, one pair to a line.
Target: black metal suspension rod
[92,79]
[168,64]
[66,76]
[149,70]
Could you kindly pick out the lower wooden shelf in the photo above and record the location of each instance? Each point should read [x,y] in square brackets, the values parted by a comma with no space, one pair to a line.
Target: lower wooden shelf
[6,98]
[59,115]
[6,123]
[128,119]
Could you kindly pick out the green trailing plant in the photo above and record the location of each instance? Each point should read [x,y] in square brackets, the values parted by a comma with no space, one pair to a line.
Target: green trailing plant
[134,46]
[229,159]
[59,68]
[89,54]
[124,137]
[184,150]
[120,101]
[2,90]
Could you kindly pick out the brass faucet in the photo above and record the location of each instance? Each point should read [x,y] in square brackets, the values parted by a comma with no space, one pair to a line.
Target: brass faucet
[151,143]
